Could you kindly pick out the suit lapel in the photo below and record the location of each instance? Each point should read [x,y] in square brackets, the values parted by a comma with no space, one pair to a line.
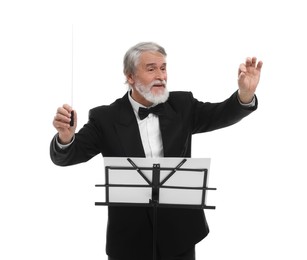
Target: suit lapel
[128,130]
[171,126]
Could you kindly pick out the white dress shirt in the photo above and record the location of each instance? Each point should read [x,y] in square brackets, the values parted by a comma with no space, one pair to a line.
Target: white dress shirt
[149,130]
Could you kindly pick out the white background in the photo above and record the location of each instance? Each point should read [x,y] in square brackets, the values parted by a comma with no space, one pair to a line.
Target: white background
[258,165]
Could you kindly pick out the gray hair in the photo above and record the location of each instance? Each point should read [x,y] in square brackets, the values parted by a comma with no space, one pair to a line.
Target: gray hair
[132,56]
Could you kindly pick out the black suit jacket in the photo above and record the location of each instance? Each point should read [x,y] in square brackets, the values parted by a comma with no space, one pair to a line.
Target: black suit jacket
[113,131]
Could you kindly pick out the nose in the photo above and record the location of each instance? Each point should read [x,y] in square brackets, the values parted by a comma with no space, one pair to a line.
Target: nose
[161,75]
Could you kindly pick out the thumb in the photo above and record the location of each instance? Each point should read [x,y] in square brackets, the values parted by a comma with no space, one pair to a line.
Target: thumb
[241,77]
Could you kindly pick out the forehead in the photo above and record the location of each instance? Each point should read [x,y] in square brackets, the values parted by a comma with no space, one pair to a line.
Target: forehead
[152,58]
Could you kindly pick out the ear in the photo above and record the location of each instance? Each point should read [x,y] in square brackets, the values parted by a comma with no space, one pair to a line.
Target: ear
[130,79]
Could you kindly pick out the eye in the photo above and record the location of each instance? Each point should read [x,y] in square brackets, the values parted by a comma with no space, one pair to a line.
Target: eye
[151,68]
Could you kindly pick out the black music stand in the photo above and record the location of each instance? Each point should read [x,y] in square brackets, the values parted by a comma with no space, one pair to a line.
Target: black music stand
[131,182]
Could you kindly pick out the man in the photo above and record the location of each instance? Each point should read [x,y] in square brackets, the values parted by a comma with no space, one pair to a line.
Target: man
[118,130]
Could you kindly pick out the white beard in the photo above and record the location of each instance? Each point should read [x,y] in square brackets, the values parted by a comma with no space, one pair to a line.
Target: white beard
[156,99]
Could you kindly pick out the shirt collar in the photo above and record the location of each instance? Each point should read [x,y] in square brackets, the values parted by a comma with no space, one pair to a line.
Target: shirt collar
[135,105]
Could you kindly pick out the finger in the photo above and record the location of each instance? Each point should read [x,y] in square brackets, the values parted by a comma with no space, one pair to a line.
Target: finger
[62,117]
[259,65]
[242,68]
[248,62]
[67,107]
[60,124]
[241,76]
[71,114]
[64,111]
[254,61]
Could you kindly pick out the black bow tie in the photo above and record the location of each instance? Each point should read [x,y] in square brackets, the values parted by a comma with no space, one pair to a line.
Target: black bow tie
[157,110]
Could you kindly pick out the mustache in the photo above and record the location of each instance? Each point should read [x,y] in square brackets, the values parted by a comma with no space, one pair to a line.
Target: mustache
[158,82]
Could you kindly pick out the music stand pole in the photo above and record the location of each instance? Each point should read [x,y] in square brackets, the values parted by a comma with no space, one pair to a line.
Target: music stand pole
[155,201]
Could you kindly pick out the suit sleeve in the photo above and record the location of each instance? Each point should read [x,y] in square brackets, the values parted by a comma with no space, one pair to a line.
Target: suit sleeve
[84,147]
[212,116]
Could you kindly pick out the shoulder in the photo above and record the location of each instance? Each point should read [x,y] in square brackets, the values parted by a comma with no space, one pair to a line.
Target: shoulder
[110,110]
[180,96]
[181,99]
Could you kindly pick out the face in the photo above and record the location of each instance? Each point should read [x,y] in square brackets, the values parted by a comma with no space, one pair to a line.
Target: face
[149,81]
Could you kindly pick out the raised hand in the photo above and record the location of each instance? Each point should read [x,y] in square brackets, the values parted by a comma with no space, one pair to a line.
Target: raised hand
[248,79]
